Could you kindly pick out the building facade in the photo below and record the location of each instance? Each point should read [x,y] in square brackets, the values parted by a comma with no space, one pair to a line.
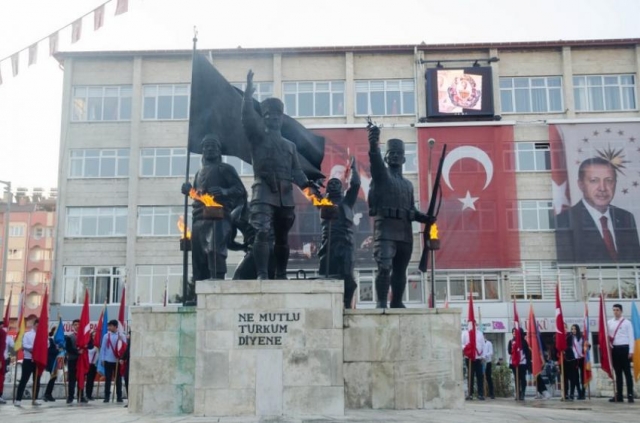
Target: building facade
[30,244]
[517,118]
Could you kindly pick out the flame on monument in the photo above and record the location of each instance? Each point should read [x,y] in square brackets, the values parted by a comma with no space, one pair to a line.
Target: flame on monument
[433,232]
[181,228]
[323,202]
[207,199]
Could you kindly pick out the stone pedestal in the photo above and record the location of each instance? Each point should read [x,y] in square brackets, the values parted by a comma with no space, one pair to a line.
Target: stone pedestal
[269,348]
[161,373]
[403,359]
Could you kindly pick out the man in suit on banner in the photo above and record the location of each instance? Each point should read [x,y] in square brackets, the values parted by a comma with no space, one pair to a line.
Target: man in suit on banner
[594,231]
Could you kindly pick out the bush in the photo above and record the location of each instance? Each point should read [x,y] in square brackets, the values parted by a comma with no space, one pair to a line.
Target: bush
[502,381]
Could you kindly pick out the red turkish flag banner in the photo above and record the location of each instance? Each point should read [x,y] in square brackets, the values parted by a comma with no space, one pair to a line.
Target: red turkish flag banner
[82,341]
[561,338]
[41,342]
[604,343]
[478,221]
[469,350]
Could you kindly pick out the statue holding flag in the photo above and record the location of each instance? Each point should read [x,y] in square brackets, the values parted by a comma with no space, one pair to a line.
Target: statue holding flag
[276,168]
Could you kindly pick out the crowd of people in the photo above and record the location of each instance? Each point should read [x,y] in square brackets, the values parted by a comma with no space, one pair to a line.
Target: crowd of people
[106,364]
[568,365]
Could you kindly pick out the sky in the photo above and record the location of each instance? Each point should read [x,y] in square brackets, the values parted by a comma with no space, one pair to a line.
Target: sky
[30,104]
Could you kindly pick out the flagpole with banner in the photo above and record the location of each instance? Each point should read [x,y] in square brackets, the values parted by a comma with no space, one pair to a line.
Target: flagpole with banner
[605,345]
[41,345]
[185,252]
[516,348]
[469,350]
[561,339]
[587,372]
[635,322]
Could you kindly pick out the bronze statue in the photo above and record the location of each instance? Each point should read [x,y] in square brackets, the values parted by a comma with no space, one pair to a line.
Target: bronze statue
[336,251]
[392,205]
[276,168]
[211,233]
[246,269]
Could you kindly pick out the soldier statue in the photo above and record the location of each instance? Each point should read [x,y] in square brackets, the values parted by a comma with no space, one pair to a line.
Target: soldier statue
[210,237]
[276,168]
[391,203]
[336,251]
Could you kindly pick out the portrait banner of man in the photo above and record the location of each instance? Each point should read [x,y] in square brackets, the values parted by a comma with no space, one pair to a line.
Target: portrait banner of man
[596,177]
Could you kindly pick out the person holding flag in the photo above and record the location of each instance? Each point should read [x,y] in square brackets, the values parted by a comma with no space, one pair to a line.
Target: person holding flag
[520,353]
[473,347]
[28,366]
[113,348]
[54,349]
[622,344]
[74,353]
[587,373]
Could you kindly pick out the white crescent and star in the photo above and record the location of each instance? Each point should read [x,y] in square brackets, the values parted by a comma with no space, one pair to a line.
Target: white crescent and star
[470,152]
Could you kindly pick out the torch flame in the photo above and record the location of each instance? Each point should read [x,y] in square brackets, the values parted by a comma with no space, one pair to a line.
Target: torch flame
[433,232]
[207,199]
[181,228]
[323,202]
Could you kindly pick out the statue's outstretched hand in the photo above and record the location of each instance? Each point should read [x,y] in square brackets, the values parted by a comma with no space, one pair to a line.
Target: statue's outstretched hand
[374,132]
[250,89]
[186,188]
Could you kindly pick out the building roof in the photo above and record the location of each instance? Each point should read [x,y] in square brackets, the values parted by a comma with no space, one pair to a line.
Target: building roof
[60,56]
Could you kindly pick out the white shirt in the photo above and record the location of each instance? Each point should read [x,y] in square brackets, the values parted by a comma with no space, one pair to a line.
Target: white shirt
[624,335]
[479,342]
[28,340]
[487,353]
[596,215]
[578,347]
[10,344]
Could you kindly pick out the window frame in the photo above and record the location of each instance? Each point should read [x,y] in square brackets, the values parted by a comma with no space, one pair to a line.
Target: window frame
[157,98]
[78,282]
[162,211]
[548,89]
[360,89]
[582,91]
[174,153]
[149,275]
[117,212]
[263,91]
[521,149]
[293,88]
[539,208]
[121,157]
[80,105]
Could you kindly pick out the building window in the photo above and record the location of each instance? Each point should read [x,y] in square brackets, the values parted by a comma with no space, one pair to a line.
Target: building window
[16,231]
[151,282]
[531,95]
[106,103]
[615,282]
[533,156]
[103,282]
[170,102]
[366,281]
[314,99]
[598,93]
[264,90]
[99,163]
[39,254]
[410,155]
[15,254]
[40,232]
[243,168]
[160,220]
[537,281]
[455,286]
[167,162]
[14,276]
[536,215]
[96,221]
[391,97]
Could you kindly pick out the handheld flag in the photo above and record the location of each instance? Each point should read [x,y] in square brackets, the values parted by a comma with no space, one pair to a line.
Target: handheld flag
[470,349]
[603,339]
[561,338]
[97,337]
[635,320]
[121,318]
[58,337]
[516,346]
[537,361]
[7,312]
[588,374]
[82,341]
[102,330]
[41,342]
[22,327]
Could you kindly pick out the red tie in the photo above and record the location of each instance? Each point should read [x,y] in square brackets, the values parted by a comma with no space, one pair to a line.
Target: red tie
[608,239]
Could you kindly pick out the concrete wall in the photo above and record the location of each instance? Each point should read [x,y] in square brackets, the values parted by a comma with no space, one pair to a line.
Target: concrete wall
[402,359]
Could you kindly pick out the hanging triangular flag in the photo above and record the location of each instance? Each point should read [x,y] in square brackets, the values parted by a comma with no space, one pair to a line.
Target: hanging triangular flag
[76,31]
[15,63]
[122,7]
[53,43]
[98,18]
[33,54]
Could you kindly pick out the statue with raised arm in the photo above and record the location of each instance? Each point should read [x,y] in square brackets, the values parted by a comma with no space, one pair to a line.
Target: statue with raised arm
[210,236]
[275,168]
[336,251]
[392,205]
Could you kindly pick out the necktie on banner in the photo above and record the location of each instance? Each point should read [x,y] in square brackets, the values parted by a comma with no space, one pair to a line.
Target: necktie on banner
[608,238]
[478,219]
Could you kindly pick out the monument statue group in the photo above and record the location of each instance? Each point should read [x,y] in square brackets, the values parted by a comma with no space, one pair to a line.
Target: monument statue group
[266,220]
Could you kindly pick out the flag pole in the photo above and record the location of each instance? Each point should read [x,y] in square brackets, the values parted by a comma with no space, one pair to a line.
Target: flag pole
[115,378]
[35,387]
[516,366]
[606,325]
[185,253]
[562,375]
